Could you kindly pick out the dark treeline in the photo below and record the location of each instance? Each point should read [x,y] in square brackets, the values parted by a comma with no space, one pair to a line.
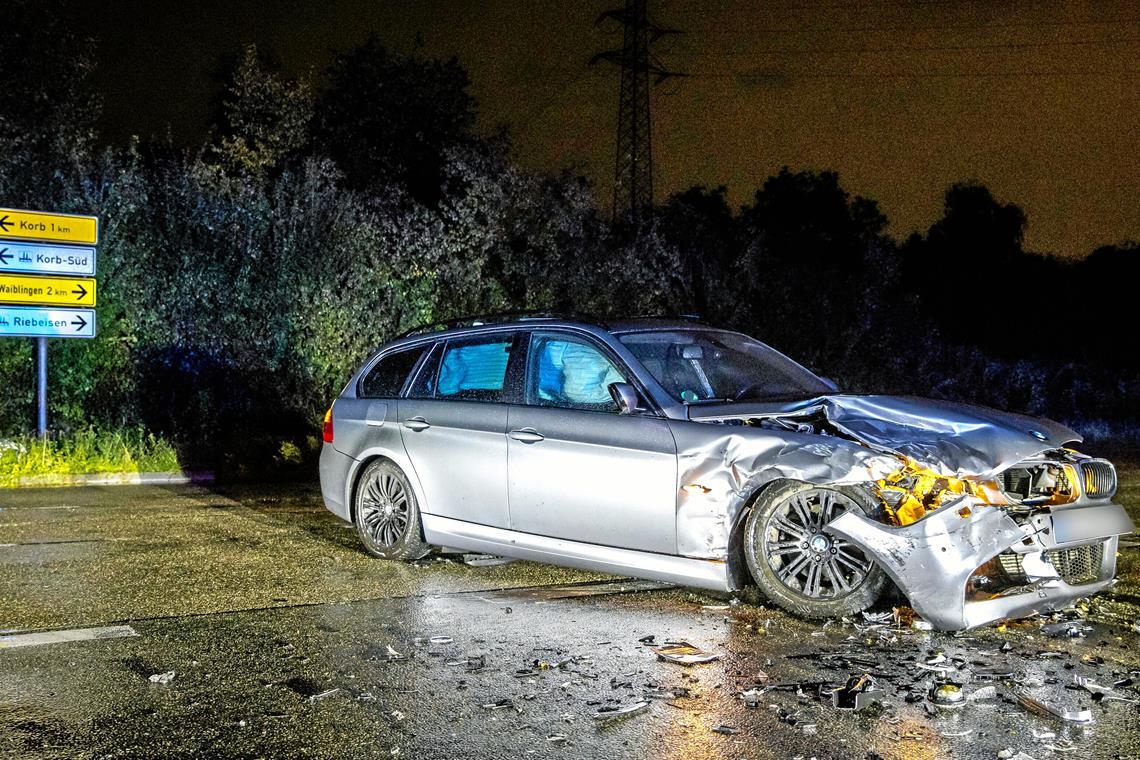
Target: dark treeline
[242,280]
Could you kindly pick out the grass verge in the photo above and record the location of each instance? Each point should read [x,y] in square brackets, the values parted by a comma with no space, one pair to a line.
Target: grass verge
[85,452]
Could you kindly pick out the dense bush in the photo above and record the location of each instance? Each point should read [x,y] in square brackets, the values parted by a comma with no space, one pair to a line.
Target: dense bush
[243,280]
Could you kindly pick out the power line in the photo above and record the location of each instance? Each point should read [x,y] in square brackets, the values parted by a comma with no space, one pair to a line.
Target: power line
[912,74]
[908,28]
[918,48]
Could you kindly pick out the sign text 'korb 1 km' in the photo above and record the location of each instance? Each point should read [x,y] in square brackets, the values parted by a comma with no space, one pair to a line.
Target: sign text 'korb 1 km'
[41,225]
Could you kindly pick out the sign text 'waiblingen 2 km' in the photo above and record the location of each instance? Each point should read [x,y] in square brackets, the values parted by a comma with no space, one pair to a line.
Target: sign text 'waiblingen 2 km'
[32,322]
[47,291]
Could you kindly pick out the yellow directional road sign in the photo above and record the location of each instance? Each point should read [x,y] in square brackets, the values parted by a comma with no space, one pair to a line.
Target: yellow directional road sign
[45,291]
[40,225]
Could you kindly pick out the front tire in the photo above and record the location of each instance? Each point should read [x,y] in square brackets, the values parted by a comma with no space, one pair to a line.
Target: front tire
[798,563]
[386,514]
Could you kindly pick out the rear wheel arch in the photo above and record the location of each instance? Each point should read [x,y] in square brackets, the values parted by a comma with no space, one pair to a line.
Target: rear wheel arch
[412,545]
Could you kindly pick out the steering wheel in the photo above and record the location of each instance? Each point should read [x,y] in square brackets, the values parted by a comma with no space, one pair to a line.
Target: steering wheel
[746,390]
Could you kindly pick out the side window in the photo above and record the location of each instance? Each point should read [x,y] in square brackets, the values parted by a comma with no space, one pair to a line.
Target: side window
[571,373]
[387,376]
[474,369]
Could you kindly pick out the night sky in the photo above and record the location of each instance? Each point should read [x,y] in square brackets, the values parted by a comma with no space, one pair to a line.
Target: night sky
[1036,98]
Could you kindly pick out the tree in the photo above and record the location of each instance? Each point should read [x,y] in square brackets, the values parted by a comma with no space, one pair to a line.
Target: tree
[266,118]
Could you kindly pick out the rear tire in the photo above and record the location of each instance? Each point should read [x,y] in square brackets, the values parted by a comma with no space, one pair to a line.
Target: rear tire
[386,514]
[800,565]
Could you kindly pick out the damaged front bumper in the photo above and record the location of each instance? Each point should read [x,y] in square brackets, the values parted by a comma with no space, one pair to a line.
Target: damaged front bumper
[968,563]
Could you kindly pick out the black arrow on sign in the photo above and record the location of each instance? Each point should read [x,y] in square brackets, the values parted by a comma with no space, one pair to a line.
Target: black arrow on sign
[4,223]
[82,291]
[82,323]
[4,256]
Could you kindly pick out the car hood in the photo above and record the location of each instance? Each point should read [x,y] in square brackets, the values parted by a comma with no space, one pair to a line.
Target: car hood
[952,438]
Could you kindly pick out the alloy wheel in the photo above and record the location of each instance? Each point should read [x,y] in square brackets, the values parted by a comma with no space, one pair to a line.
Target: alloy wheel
[384,508]
[804,555]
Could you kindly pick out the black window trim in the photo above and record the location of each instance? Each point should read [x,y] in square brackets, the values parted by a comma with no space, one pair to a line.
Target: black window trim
[381,356]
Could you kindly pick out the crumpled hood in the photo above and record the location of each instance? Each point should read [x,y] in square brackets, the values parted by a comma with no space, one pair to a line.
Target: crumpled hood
[952,438]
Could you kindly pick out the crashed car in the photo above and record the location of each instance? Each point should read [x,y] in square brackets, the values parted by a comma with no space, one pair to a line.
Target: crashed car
[671,450]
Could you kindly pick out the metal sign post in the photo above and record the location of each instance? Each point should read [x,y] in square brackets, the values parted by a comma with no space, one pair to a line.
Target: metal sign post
[52,280]
[41,387]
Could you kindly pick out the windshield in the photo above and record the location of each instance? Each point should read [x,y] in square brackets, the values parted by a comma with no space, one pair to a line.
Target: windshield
[711,365]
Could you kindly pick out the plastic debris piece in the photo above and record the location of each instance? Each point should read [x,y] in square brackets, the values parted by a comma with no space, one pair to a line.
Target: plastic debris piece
[558,738]
[499,704]
[392,654]
[485,560]
[649,640]
[726,729]
[985,692]
[162,678]
[684,653]
[397,715]
[1039,707]
[856,694]
[440,640]
[620,711]
[1071,629]
[1064,745]
[921,625]
[1100,693]
[323,695]
[471,663]
[752,697]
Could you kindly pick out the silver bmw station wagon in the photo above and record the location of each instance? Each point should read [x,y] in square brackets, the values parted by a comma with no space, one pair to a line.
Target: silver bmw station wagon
[675,451]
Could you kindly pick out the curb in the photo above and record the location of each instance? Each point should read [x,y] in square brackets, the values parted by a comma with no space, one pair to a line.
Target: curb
[115,479]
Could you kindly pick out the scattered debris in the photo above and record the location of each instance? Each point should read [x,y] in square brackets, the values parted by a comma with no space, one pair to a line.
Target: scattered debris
[620,711]
[440,640]
[162,678]
[392,654]
[683,653]
[857,693]
[558,738]
[725,729]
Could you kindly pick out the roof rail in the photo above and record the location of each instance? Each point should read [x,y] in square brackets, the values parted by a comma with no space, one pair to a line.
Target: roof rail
[472,320]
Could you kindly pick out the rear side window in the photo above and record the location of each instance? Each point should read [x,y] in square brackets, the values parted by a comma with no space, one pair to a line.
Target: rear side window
[474,369]
[387,376]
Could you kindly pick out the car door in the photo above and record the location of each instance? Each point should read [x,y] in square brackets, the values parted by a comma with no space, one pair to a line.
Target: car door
[453,421]
[366,419]
[577,468]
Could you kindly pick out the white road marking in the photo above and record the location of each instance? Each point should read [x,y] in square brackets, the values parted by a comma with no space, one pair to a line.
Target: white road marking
[72,634]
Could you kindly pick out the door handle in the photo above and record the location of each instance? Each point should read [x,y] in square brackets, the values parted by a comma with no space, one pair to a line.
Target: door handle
[417,424]
[526,435]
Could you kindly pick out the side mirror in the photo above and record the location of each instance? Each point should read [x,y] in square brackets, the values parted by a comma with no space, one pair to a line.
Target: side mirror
[625,396]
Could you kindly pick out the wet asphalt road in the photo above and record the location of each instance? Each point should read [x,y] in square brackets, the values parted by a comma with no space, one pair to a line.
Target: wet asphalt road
[286,640]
